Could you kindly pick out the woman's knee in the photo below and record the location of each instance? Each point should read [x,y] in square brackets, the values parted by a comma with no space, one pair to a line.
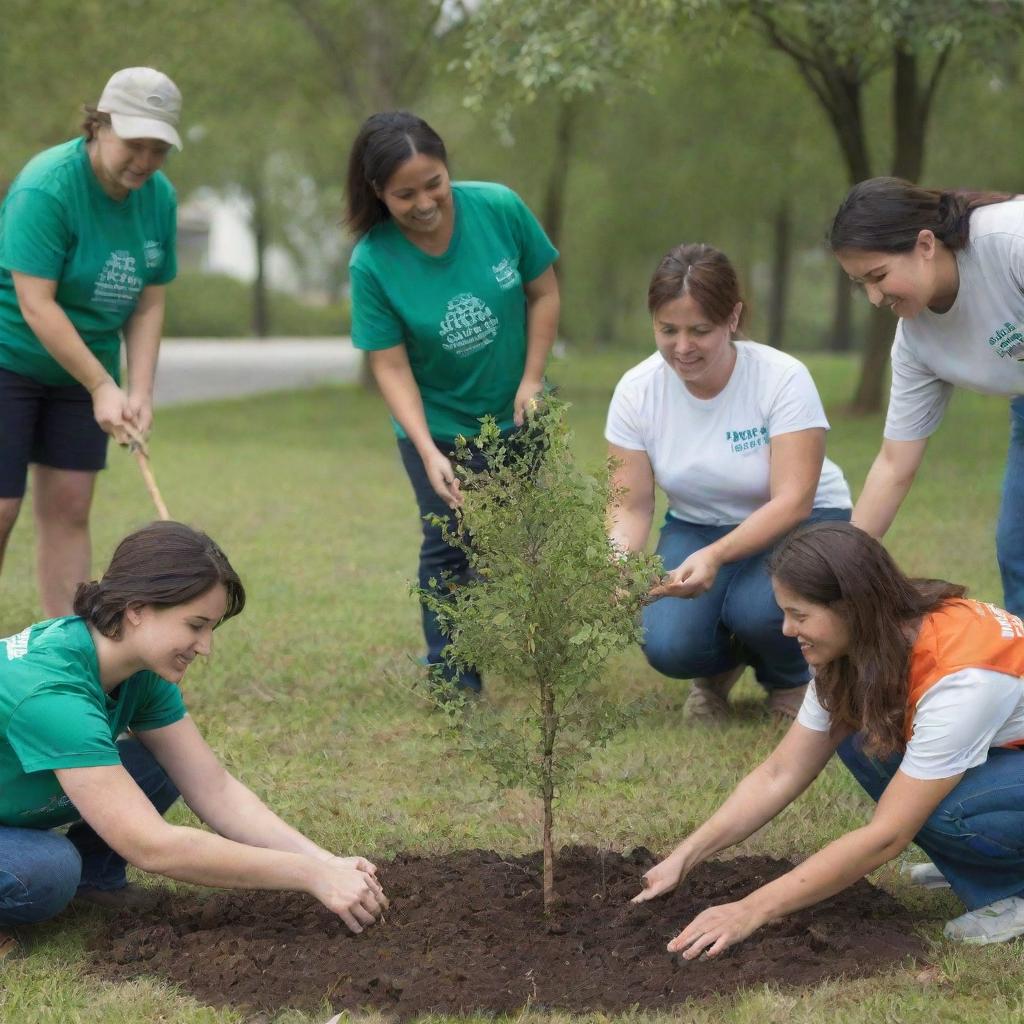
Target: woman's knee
[43,883]
[674,653]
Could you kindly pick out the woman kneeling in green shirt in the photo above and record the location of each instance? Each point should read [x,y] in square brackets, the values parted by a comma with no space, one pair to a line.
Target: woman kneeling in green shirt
[69,687]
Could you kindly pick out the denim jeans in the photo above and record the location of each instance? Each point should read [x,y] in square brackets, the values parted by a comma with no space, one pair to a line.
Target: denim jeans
[975,837]
[735,622]
[1010,531]
[437,556]
[40,870]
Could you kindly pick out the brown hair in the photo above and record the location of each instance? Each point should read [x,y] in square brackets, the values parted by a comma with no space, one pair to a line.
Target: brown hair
[886,215]
[703,273]
[385,141]
[93,121]
[163,564]
[845,569]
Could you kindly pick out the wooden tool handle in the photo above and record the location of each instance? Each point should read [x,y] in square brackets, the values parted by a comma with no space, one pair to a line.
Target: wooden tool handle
[147,476]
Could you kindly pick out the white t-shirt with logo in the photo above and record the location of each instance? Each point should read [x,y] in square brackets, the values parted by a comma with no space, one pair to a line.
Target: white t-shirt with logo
[712,457]
[978,343]
[956,722]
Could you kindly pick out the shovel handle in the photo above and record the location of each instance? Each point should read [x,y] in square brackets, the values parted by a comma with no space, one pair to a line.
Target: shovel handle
[147,475]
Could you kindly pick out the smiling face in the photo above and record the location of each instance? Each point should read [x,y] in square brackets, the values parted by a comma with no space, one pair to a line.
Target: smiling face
[124,165]
[905,282]
[419,195]
[167,640]
[700,352]
[822,634]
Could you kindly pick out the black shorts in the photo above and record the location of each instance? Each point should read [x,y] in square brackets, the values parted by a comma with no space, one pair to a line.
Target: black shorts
[53,426]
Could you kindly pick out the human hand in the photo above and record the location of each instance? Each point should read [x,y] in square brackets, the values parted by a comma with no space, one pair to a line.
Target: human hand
[526,399]
[140,413]
[715,929]
[350,891]
[111,410]
[662,878]
[694,577]
[442,478]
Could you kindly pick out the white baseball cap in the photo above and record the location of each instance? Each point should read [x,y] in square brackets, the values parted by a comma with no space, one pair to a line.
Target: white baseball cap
[143,103]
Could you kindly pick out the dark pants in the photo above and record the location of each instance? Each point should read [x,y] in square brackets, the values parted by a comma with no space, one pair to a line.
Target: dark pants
[40,870]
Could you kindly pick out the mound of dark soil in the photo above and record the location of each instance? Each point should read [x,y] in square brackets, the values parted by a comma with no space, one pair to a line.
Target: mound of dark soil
[467,932]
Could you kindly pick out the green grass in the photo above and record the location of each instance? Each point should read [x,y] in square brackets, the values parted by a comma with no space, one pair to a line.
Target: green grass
[306,696]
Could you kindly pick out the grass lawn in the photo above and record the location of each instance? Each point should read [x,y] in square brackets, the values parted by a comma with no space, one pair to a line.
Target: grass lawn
[306,695]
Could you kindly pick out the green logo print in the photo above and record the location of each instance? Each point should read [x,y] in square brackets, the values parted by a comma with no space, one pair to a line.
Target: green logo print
[747,440]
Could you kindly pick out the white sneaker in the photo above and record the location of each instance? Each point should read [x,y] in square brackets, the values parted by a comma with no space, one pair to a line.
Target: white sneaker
[997,922]
[926,875]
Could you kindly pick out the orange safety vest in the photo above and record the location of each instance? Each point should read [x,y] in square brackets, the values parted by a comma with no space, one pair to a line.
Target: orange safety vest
[962,634]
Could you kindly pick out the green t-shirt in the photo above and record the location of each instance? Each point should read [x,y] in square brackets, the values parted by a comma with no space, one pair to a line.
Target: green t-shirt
[54,714]
[59,224]
[461,315]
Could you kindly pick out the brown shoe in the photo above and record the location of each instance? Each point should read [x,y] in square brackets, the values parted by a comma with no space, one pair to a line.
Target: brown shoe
[128,897]
[785,704]
[8,945]
[708,699]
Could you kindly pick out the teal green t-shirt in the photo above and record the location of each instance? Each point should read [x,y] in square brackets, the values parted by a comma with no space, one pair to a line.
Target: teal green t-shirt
[461,315]
[59,224]
[54,714]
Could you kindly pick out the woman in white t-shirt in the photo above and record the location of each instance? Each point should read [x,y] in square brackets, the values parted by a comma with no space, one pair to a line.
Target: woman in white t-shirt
[950,265]
[734,433]
[920,692]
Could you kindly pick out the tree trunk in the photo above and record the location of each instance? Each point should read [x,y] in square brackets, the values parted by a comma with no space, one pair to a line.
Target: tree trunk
[548,792]
[868,396]
[779,291]
[553,211]
[260,305]
[841,334]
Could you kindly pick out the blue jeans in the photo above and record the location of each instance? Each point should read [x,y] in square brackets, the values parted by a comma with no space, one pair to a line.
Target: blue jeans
[736,622]
[437,556]
[40,871]
[1010,531]
[975,837]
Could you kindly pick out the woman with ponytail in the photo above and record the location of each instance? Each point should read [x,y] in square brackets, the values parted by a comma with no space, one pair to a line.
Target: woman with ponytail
[921,693]
[71,687]
[950,265]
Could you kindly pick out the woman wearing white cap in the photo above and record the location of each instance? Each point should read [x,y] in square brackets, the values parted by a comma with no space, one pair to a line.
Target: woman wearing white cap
[87,244]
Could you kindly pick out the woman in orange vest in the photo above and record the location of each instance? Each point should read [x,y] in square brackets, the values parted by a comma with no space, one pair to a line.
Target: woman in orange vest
[921,693]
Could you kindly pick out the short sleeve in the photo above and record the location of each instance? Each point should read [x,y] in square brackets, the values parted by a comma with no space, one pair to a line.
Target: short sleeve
[375,324]
[811,714]
[34,234]
[624,425]
[917,399]
[536,251]
[52,729]
[160,704]
[796,404]
[956,721]
[169,271]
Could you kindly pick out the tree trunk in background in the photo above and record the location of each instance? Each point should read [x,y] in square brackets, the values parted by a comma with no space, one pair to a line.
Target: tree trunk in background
[841,333]
[778,297]
[553,212]
[260,304]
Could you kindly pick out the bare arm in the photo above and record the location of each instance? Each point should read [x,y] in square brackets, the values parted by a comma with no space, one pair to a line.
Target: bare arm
[57,334]
[629,520]
[796,460]
[394,377]
[903,809]
[142,334]
[543,306]
[888,483]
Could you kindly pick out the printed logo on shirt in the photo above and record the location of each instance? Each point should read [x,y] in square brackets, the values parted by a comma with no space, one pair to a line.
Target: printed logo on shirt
[1010,625]
[17,645]
[506,274]
[468,325]
[119,283]
[1008,342]
[154,253]
[57,802]
[747,440]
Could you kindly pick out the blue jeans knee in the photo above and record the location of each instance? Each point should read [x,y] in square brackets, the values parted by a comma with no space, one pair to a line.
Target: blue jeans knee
[41,875]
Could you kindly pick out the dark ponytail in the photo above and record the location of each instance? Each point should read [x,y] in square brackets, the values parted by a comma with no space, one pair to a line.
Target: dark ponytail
[163,564]
[384,143]
[887,214]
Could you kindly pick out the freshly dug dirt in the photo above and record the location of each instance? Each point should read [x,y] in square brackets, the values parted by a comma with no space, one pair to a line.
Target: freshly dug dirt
[467,932]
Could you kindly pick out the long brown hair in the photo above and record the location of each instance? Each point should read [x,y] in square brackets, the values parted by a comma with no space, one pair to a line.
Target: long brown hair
[887,214]
[845,569]
[163,564]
